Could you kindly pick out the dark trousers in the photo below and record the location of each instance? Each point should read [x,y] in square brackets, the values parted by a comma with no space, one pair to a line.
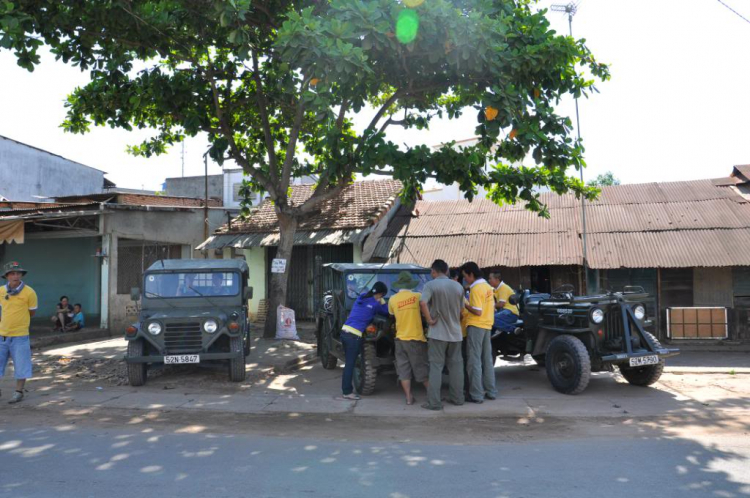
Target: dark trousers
[352,348]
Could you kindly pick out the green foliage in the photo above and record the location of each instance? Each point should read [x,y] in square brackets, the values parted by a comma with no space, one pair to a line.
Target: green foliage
[274,84]
[604,180]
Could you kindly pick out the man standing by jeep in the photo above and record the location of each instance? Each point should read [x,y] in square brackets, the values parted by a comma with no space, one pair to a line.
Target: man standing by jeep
[441,303]
[481,307]
[18,303]
[411,345]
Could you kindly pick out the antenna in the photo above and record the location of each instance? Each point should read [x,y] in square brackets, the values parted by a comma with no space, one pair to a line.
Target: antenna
[571,9]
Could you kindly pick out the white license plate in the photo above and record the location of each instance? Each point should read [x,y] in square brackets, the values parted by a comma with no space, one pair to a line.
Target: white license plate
[644,360]
[182,358]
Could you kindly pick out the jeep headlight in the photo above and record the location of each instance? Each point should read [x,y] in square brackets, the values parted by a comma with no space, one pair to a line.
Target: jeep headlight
[640,312]
[210,326]
[597,315]
[154,328]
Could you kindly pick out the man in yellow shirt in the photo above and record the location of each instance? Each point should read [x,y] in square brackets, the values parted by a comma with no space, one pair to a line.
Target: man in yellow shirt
[18,303]
[506,314]
[411,344]
[481,308]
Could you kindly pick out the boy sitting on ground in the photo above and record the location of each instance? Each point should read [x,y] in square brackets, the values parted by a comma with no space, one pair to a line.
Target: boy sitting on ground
[77,322]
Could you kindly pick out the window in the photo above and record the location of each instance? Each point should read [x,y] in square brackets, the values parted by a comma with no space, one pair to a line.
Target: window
[191,284]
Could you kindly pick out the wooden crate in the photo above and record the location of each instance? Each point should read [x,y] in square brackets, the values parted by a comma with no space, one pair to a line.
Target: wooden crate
[697,323]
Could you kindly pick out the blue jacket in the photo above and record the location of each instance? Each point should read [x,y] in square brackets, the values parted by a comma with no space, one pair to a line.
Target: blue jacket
[364,311]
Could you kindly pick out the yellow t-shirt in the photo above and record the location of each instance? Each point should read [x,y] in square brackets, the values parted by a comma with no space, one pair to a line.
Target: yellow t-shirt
[502,293]
[404,305]
[481,297]
[15,318]
[464,316]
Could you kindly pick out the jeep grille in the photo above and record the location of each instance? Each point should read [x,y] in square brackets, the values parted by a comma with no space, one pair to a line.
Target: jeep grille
[613,329]
[183,338]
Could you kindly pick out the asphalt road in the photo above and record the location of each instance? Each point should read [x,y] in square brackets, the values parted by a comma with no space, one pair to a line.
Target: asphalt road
[76,460]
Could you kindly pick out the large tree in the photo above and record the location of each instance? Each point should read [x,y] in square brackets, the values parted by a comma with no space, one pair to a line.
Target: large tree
[274,84]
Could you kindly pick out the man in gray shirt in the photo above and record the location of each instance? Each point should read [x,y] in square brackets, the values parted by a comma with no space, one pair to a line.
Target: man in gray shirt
[441,304]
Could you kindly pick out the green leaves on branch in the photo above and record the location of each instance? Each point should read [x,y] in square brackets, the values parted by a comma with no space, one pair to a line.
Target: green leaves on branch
[274,85]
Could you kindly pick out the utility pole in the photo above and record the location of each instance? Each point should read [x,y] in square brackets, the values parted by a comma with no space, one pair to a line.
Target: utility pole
[182,158]
[205,202]
[571,9]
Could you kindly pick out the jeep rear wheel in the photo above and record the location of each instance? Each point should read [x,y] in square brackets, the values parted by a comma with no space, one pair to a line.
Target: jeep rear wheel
[365,372]
[237,365]
[568,364]
[324,340]
[644,375]
[137,372]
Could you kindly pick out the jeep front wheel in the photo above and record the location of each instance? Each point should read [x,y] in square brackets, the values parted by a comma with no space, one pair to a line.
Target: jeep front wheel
[324,341]
[644,375]
[137,372]
[365,372]
[568,364]
[237,365]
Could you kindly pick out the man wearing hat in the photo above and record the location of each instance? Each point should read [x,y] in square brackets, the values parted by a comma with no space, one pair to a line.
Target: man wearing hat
[411,344]
[18,303]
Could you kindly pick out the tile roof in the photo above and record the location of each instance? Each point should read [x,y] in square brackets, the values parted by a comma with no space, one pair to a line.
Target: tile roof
[359,205]
[674,224]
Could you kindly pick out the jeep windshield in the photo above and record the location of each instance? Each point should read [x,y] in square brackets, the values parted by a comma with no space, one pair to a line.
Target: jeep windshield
[357,283]
[191,284]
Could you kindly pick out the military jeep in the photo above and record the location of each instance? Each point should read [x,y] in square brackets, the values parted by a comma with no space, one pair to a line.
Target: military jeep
[192,311]
[572,336]
[347,281]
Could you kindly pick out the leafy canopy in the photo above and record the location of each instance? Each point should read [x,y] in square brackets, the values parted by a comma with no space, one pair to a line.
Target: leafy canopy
[275,83]
[604,180]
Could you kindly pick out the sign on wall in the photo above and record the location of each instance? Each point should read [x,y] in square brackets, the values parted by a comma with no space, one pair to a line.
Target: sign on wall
[278,266]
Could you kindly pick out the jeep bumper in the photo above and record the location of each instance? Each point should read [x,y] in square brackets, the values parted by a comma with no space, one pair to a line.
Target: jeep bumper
[620,357]
[159,358]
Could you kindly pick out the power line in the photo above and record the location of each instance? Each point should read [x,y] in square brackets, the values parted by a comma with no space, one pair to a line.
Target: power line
[735,12]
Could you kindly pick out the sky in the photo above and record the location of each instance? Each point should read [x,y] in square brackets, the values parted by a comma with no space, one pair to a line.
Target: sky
[676,108]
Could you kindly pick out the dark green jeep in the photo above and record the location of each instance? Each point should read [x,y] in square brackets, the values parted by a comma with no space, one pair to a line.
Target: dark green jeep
[192,311]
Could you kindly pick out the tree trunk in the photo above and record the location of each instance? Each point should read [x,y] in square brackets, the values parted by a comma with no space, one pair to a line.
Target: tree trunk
[279,281]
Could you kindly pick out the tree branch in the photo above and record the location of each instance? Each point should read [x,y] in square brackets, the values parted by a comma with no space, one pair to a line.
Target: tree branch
[342,114]
[263,110]
[383,109]
[227,132]
[286,171]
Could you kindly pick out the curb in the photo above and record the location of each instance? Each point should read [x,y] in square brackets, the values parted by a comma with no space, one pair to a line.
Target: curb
[70,337]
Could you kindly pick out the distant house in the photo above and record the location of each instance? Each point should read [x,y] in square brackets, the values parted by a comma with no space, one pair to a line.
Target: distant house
[686,243]
[95,247]
[344,231]
[31,174]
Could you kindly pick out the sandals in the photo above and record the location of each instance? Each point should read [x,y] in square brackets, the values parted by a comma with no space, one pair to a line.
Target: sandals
[351,397]
[412,401]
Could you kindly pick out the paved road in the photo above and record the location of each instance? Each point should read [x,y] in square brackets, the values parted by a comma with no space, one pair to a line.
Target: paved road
[70,460]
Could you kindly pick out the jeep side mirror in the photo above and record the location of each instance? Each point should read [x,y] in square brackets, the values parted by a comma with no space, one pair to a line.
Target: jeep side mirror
[135,293]
[248,293]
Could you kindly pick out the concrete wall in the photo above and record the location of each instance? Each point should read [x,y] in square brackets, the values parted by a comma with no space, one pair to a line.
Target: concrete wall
[179,227]
[195,186]
[27,172]
[62,266]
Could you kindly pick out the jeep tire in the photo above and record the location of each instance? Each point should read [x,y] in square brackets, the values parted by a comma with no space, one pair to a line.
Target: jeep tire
[568,364]
[365,372]
[237,371]
[324,340]
[137,372]
[644,375]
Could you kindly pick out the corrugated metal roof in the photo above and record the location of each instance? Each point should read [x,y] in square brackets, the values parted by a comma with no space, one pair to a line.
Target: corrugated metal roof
[676,224]
[486,249]
[672,249]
